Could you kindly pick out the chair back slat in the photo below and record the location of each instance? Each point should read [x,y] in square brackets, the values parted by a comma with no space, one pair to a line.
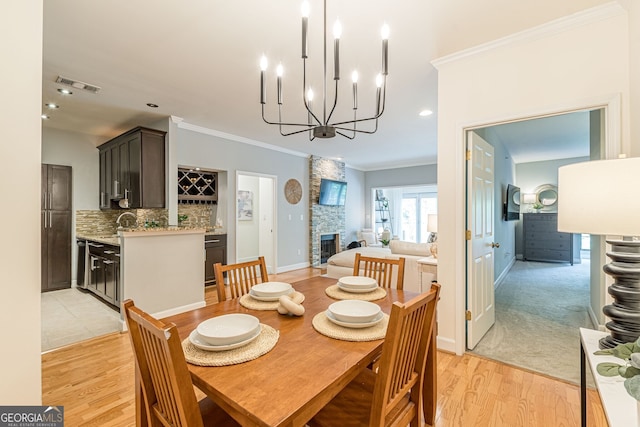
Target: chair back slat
[240,277]
[398,388]
[167,388]
[380,269]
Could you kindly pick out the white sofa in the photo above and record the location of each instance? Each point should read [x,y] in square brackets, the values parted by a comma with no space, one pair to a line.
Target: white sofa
[341,264]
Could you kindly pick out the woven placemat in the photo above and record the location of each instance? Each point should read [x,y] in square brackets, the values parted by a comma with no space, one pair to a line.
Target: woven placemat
[262,345]
[247,301]
[326,327]
[335,292]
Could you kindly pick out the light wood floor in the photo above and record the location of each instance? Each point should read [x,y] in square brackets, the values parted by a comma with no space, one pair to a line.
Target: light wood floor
[94,380]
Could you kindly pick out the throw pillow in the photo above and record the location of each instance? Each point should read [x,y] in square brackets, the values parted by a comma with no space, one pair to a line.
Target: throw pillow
[409,248]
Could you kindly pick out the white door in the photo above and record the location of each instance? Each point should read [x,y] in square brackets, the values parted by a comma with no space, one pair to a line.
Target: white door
[480,216]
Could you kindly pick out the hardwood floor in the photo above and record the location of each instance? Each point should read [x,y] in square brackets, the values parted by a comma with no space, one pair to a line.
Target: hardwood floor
[94,380]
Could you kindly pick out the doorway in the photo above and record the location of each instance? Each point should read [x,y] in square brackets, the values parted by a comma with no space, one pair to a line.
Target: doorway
[255,218]
[510,234]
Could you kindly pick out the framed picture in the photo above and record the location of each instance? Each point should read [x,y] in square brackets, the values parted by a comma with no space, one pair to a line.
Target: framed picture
[245,205]
[379,195]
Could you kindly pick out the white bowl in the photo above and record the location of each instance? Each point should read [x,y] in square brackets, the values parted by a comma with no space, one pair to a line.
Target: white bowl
[357,282]
[271,289]
[228,329]
[354,311]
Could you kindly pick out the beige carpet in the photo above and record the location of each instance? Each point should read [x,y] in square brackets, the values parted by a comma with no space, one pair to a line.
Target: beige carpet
[539,308]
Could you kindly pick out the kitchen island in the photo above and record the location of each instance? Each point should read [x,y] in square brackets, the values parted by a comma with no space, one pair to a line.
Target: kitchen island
[161,269]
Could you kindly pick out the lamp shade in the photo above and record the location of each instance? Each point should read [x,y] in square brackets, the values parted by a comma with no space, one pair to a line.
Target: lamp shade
[432,223]
[529,198]
[600,197]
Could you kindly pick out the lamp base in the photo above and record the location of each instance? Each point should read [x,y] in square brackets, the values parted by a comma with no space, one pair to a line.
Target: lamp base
[624,313]
[434,250]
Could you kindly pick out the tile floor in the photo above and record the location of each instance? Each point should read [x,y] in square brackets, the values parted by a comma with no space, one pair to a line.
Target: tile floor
[71,315]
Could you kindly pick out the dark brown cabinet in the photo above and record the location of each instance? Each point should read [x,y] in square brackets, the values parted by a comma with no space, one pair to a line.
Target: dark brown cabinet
[104,272]
[215,247]
[55,227]
[132,167]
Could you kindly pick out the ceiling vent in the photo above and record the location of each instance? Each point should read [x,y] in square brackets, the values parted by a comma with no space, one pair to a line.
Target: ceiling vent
[77,84]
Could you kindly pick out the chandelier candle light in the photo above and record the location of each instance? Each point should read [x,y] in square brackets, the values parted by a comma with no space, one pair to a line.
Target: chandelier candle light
[324,128]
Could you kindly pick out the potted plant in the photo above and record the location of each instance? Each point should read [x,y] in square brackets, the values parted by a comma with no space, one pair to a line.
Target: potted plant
[630,369]
[537,206]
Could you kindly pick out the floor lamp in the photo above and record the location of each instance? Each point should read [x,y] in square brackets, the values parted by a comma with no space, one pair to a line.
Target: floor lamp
[602,197]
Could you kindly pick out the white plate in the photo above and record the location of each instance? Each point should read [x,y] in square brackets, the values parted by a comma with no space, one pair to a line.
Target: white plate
[357,290]
[375,321]
[354,311]
[228,329]
[357,281]
[271,289]
[261,298]
[196,340]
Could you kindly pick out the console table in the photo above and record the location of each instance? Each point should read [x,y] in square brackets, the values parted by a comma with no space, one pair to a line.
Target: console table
[427,265]
[619,407]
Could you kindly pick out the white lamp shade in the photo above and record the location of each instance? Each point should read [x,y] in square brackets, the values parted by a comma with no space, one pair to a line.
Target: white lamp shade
[529,198]
[432,223]
[600,197]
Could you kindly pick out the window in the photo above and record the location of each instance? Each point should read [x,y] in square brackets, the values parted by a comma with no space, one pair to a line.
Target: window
[416,208]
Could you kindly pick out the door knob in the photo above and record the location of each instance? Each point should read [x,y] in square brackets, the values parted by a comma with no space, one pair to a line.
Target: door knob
[495,245]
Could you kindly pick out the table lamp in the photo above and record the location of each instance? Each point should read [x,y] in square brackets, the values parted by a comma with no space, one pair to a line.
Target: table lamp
[602,197]
[432,227]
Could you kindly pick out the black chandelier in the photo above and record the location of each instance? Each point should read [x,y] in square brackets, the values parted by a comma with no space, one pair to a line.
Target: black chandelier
[323,127]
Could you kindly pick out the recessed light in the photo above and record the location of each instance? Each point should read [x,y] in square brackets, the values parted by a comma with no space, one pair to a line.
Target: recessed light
[149,104]
[65,91]
[425,113]
[51,105]
[44,117]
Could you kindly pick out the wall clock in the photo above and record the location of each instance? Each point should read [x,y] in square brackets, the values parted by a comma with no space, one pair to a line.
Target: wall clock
[293,191]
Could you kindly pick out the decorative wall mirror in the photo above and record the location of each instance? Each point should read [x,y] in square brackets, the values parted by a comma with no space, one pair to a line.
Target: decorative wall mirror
[516,198]
[547,194]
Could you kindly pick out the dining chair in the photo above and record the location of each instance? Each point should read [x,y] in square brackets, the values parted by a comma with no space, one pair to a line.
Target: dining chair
[240,277]
[167,397]
[380,269]
[391,396]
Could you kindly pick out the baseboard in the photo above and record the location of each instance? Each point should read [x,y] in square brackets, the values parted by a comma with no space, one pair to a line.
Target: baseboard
[178,310]
[446,344]
[504,274]
[284,269]
[594,320]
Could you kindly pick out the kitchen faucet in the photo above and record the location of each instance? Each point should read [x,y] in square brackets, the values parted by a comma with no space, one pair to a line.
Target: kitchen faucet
[123,214]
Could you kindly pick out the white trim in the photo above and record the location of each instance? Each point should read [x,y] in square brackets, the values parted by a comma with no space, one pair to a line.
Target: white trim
[178,310]
[550,28]
[236,138]
[613,145]
[446,344]
[292,267]
[504,274]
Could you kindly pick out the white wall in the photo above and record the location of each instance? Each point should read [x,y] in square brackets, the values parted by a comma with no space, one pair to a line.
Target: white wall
[579,63]
[354,205]
[21,53]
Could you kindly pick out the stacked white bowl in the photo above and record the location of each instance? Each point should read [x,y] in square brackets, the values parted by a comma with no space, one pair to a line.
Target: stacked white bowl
[357,284]
[270,291]
[354,313]
[226,332]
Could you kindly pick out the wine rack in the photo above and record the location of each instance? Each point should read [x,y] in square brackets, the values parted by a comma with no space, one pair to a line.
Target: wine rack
[197,186]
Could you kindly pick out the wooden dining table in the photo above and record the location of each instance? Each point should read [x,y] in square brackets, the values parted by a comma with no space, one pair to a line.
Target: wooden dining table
[300,375]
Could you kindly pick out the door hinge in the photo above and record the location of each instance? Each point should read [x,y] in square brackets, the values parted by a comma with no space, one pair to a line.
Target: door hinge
[468,234]
[468,155]
[467,315]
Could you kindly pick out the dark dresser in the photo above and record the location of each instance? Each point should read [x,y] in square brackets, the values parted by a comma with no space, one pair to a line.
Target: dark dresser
[543,241]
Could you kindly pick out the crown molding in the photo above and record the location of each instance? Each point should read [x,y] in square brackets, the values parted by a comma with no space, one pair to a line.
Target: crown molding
[550,28]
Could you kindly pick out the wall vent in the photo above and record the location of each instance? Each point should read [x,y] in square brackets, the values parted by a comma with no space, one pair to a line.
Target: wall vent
[78,84]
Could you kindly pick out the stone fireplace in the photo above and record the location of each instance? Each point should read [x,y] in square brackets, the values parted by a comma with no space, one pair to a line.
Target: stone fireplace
[324,220]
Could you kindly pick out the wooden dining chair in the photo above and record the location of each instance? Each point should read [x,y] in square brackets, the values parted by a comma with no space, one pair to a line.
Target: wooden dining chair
[167,396]
[391,396]
[380,269]
[240,277]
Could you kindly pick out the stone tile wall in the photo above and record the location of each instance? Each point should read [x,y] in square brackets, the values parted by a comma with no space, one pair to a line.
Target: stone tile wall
[324,219]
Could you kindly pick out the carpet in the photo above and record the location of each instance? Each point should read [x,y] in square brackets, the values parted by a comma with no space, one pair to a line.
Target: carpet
[539,308]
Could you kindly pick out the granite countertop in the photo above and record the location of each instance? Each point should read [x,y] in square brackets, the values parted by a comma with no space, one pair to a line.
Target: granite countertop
[114,239]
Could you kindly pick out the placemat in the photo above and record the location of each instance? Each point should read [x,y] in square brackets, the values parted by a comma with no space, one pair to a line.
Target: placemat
[335,292]
[330,329]
[247,301]
[262,345]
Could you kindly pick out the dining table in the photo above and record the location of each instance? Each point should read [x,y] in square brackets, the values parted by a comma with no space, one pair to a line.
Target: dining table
[305,369]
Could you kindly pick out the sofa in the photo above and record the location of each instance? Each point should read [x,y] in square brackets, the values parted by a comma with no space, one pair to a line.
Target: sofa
[341,264]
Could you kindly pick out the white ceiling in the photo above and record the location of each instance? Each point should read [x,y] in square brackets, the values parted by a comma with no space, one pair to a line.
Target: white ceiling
[198,60]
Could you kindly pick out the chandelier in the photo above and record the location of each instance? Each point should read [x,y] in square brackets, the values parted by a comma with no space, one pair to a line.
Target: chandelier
[319,124]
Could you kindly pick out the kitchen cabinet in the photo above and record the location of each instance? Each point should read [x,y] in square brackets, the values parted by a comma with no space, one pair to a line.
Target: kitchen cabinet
[104,272]
[215,247]
[55,227]
[132,167]
[197,186]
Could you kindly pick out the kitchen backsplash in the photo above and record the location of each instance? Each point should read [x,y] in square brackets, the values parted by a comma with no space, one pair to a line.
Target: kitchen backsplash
[98,222]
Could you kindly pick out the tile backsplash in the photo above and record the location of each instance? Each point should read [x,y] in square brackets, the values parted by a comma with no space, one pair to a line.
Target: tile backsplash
[98,222]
